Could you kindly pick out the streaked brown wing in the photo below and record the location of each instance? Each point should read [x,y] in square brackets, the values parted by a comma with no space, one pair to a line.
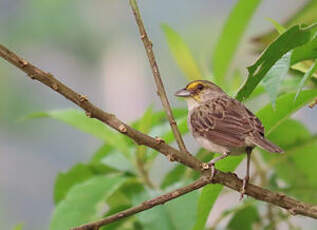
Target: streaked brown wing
[225,121]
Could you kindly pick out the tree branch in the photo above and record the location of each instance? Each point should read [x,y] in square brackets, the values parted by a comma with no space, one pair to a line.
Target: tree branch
[202,181]
[229,180]
[94,112]
[157,77]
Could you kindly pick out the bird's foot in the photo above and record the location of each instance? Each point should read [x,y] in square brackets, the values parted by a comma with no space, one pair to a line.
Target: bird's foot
[213,170]
[244,186]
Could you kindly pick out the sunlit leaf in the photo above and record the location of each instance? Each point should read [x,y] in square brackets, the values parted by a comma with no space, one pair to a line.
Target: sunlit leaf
[303,67]
[280,29]
[84,202]
[181,54]
[230,37]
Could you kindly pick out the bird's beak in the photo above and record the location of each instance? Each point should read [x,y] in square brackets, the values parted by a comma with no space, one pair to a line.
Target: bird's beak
[183,93]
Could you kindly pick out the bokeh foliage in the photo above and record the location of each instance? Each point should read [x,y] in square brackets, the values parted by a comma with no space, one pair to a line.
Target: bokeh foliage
[117,176]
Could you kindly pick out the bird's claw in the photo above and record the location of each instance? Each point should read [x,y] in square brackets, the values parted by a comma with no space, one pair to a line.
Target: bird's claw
[213,171]
[244,185]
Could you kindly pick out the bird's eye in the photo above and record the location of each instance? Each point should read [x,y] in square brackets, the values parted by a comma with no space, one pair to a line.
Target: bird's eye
[200,86]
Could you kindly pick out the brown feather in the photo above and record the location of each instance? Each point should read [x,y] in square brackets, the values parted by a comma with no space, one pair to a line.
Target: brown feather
[227,122]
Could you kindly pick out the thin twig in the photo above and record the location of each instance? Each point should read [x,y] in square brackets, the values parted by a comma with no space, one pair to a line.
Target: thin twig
[202,181]
[229,180]
[140,164]
[157,77]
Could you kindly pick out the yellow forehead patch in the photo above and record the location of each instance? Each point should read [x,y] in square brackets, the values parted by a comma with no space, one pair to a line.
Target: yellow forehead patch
[194,85]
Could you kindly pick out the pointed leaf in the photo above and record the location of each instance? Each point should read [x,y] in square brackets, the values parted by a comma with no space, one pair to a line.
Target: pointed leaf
[305,52]
[230,37]
[307,75]
[306,15]
[206,200]
[292,38]
[181,53]
[276,75]
[280,29]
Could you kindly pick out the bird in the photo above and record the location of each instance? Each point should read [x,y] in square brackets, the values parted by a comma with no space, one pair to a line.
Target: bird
[222,124]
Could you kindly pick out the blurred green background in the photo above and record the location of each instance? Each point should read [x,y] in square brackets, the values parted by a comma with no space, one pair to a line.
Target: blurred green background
[94,47]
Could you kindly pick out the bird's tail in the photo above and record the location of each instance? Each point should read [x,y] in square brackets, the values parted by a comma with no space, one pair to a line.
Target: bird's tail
[265,144]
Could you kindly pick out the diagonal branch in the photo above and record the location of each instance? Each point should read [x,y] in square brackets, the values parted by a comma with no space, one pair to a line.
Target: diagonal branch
[160,200]
[229,180]
[157,77]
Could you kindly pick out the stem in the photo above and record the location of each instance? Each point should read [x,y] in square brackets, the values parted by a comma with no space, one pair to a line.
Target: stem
[141,167]
[157,76]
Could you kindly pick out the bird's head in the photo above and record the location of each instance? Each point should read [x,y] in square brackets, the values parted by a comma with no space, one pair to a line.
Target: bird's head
[199,91]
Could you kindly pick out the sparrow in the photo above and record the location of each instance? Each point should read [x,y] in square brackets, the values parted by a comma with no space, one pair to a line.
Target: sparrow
[222,124]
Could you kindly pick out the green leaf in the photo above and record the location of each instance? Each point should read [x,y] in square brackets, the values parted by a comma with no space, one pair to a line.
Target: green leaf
[179,213]
[181,53]
[292,38]
[76,175]
[302,68]
[118,162]
[101,153]
[305,52]
[230,37]
[156,218]
[270,119]
[297,166]
[206,200]
[183,210]
[244,219]
[307,75]
[280,29]
[64,181]
[285,106]
[276,75]
[173,176]
[85,201]
[18,227]
[306,15]
[92,126]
